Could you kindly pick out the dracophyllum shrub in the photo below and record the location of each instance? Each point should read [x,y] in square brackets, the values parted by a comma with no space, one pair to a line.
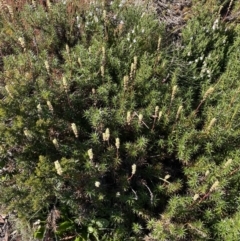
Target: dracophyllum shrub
[82,100]
[207,207]
[104,130]
[205,44]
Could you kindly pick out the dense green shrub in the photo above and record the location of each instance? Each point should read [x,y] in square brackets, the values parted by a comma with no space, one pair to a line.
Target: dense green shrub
[109,131]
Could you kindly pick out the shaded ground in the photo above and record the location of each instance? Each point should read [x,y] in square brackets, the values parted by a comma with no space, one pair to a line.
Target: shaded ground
[4,228]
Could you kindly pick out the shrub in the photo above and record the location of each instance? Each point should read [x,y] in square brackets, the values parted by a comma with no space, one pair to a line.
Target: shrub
[109,131]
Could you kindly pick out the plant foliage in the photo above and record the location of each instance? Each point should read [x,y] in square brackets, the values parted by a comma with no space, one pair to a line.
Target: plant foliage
[111,131]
